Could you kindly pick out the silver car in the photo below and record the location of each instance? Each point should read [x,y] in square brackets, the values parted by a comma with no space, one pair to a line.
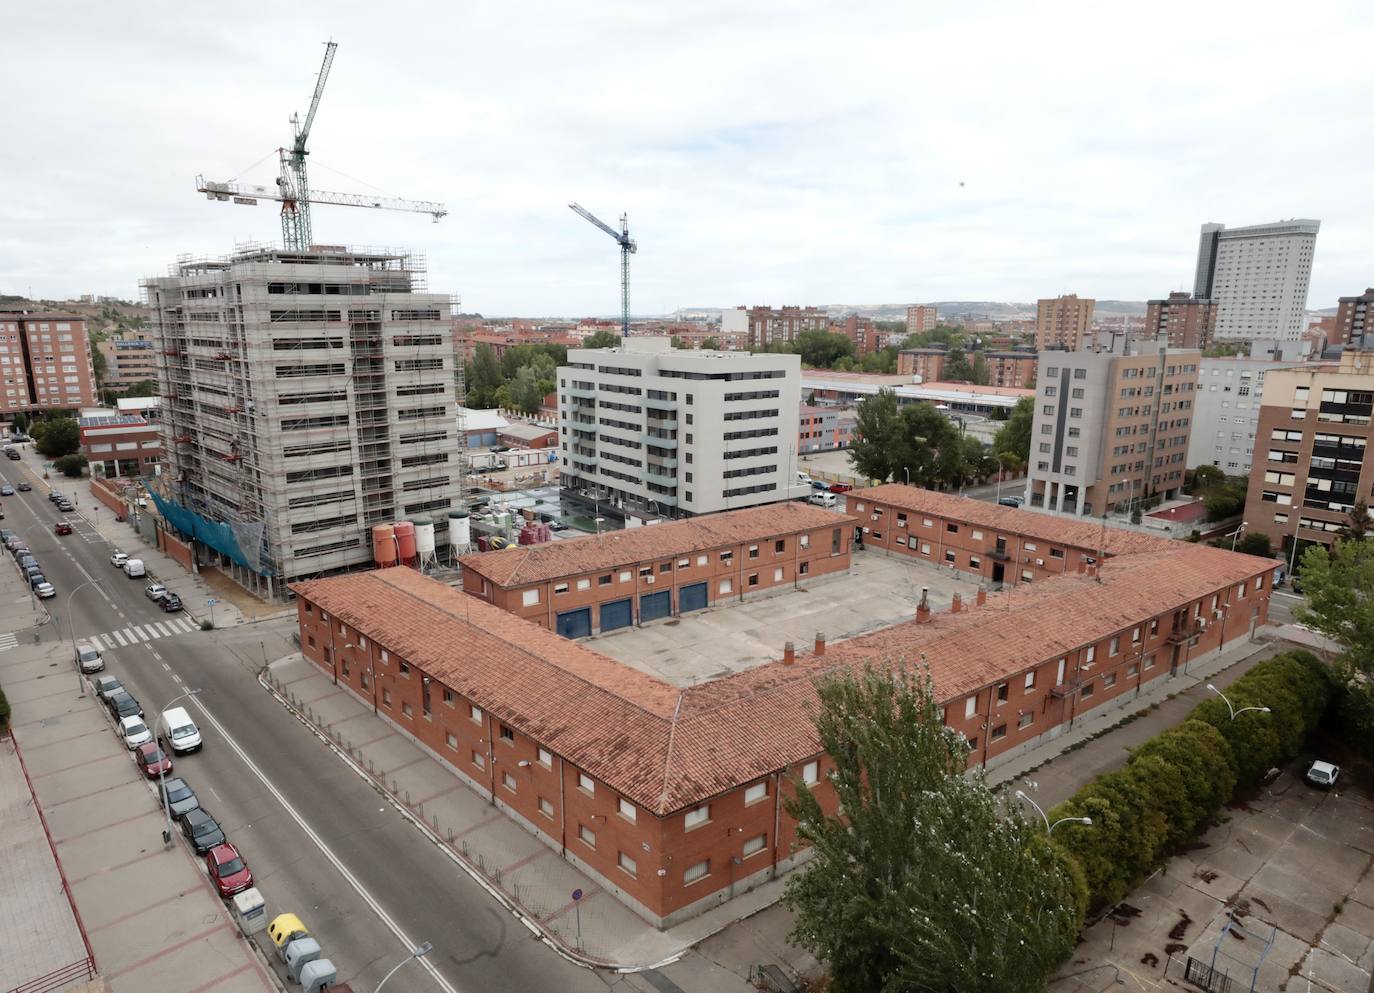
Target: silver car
[180,797]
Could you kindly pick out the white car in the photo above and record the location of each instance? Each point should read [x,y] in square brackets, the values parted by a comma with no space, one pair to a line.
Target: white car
[89,658]
[45,591]
[1323,774]
[134,732]
[118,559]
[155,591]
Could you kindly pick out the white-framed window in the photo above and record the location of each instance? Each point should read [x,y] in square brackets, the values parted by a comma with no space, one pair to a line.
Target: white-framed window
[1059,675]
[546,758]
[508,781]
[811,772]
[587,835]
[626,576]
[1025,720]
[557,588]
[545,807]
[584,584]
[777,574]
[451,740]
[626,863]
[697,816]
[702,559]
[1090,655]
[725,586]
[700,870]
[755,845]
[529,598]
[627,809]
[585,783]
[475,712]
[755,793]
[1030,680]
[479,760]
[970,707]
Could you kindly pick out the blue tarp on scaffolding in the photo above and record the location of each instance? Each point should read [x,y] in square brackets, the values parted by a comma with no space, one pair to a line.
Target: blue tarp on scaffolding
[223,538]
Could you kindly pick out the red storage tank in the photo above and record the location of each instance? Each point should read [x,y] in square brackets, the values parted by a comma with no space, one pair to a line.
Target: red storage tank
[405,538]
[384,545]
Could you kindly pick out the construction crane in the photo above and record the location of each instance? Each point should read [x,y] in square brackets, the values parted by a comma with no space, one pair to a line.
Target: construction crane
[627,248]
[293,188]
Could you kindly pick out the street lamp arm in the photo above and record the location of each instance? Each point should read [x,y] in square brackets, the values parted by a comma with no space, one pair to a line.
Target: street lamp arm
[420,952]
[71,632]
[1020,795]
[1258,710]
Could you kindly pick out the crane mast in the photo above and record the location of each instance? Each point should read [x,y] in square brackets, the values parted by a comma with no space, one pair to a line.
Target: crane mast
[627,248]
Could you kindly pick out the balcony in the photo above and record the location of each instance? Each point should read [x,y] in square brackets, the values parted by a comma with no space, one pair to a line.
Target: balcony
[658,462]
[663,425]
[574,391]
[669,405]
[663,478]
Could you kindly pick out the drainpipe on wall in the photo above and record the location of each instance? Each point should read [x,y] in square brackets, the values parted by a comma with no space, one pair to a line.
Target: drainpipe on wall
[562,809]
[491,760]
[777,818]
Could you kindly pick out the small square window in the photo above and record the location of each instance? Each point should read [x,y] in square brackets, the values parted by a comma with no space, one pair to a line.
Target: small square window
[584,584]
[475,712]
[587,835]
[753,579]
[626,863]
[1003,692]
[1109,680]
[604,580]
[999,732]
[665,567]
[545,807]
[479,760]
[811,772]
[507,734]
[1025,720]
[403,668]
[407,710]
[755,845]
[753,551]
[1030,680]
[528,598]
[626,809]
[779,546]
[386,698]
[585,783]
[448,695]
[451,740]
[698,871]
[546,758]
[508,781]
[755,793]
[725,586]
[697,817]
[560,588]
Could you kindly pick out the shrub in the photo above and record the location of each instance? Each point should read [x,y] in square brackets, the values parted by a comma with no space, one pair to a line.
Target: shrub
[4,714]
[1200,753]
[206,624]
[71,465]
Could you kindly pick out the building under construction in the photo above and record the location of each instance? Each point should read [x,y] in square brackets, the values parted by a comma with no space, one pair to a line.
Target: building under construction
[309,395]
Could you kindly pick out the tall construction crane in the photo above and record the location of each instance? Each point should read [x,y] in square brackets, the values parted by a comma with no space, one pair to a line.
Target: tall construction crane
[627,248]
[293,188]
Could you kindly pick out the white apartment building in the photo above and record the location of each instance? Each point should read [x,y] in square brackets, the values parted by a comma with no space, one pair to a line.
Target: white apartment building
[678,432]
[1257,276]
[1230,393]
[307,396]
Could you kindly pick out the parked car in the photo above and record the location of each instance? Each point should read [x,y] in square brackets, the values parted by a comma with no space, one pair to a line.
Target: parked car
[106,687]
[22,486]
[45,591]
[11,453]
[134,732]
[25,560]
[62,527]
[155,591]
[1323,774]
[88,657]
[822,499]
[54,496]
[122,705]
[134,568]
[118,559]
[228,870]
[35,577]
[817,484]
[179,797]
[6,490]
[171,603]
[152,760]
[66,506]
[1011,501]
[6,534]
[840,487]
[12,540]
[201,830]
[181,730]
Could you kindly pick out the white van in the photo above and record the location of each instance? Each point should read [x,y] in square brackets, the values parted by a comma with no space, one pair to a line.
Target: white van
[823,499]
[181,733]
[134,569]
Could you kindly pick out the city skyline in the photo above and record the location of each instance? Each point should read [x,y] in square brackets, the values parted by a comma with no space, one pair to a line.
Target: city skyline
[910,156]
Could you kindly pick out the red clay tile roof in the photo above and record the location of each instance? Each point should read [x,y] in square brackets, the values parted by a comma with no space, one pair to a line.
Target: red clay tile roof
[1082,533]
[575,556]
[667,749]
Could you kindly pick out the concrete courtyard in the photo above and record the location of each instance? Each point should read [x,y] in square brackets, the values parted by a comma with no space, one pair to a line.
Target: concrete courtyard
[1291,866]
[879,590]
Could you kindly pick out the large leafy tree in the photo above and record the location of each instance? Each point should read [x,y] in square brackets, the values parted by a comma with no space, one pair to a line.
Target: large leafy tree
[929,449]
[822,349]
[1015,435]
[59,436]
[483,377]
[1339,586]
[877,428]
[602,339]
[925,882]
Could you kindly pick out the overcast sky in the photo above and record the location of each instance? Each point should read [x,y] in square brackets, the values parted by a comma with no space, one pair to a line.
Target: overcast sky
[766,152]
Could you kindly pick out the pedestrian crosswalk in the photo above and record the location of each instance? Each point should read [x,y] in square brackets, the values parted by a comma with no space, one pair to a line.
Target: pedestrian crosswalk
[136,634]
[8,641]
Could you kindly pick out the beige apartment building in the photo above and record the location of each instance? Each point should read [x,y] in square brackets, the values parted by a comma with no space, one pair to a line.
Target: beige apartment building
[130,358]
[1312,450]
[1063,322]
[1182,320]
[1111,427]
[921,318]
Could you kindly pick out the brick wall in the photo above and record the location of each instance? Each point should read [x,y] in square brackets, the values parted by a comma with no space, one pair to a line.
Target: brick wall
[107,495]
[177,549]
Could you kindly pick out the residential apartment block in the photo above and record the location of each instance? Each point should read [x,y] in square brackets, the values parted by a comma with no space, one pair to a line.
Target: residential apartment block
[678,432]
[1063,322]
[45,361]
[308,396]
[765,325]
[1111,426]
[1012,369]
[863,333]
[1257,276]
[1314,443]
[1354,319]
[921,318]
[631,577]
[1182,320]
[672,795]
[825,429]
[927,363]
[130,358]
[1226,411]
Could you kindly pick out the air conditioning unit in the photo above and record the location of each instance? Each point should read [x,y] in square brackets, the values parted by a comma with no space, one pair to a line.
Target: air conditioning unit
[1201,624]
[648,580]
[1039,561]
[1218,614]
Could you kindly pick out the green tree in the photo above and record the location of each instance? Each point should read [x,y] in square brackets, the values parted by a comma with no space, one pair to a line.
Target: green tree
[877,428]
[143,388]
[1339,586]
[1255,543]
[677,342]
[710,343]
[525,391]
[483,377]
[924,882]
[979,370]
[60,436]
[1206,477]
[1357,523]
[20,421]
[1015,435]
[71,465]
[602,339]
[97,359]
[957,368]
[928,448]
[890,327]
[822,349]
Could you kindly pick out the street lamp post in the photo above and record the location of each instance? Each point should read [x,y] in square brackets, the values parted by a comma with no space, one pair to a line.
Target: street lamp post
[71,632]
[1229,706]
[1236,533]
[1049,828]
[418,953]
[162,776]
[907,470]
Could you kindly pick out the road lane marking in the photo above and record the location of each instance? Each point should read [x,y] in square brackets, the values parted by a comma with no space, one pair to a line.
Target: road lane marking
[325,850]
[119,638]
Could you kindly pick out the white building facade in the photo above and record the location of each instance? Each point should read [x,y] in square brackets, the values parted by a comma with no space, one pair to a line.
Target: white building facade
[1230,393]
[1257,276]
[675,432]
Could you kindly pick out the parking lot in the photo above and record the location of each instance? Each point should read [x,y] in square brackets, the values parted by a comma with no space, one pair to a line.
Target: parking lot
[1286,875]
[880,589]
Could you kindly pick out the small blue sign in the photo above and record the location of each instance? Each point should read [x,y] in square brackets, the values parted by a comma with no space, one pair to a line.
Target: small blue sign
[577,895]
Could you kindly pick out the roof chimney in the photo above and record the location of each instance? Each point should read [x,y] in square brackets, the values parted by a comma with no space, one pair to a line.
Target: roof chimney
[923,608]
[982,596]
[789,653]
[820,642]
[957,604]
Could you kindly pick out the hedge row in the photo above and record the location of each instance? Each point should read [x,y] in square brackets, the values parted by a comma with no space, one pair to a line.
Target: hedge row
[1175,783]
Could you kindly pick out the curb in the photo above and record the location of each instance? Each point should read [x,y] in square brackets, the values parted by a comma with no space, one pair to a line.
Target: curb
[536,930]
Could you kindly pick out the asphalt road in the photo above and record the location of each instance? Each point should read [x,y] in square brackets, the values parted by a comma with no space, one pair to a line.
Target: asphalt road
[320,840]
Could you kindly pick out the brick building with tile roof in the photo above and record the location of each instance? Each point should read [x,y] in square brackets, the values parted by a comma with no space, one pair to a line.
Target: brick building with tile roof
[674,799]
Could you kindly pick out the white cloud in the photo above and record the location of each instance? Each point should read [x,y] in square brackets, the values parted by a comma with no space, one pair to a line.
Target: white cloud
[799,152]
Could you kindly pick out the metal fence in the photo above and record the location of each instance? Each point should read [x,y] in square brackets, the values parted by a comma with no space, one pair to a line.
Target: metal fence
[1205,977]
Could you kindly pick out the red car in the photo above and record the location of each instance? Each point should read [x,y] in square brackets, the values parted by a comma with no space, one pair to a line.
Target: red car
[62,527]
[228,870]
[152,760]
[840,487]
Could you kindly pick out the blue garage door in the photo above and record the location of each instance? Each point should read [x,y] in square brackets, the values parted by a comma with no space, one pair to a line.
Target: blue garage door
[691,598]
[575,623]
[616,614]
[652,606]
